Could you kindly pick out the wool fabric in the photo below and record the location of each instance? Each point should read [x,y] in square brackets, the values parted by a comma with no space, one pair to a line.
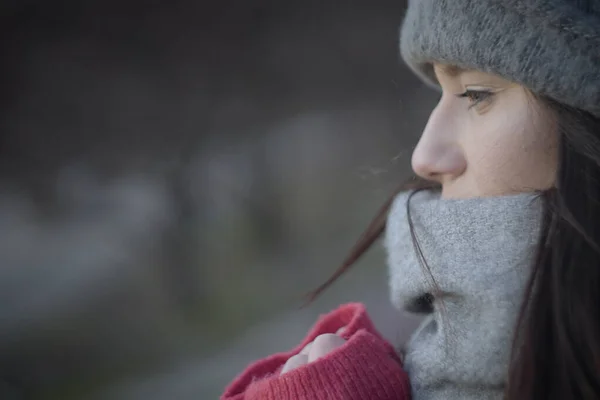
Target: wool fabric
[551,47]
[365,367]
[469,283]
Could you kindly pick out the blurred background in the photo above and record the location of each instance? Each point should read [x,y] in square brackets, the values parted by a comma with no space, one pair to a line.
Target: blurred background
[176,175]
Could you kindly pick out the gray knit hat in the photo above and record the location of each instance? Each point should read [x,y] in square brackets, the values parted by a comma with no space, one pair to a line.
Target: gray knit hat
[550,46]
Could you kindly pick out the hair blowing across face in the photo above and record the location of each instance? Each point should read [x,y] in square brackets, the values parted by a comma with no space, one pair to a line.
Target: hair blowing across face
[556,349]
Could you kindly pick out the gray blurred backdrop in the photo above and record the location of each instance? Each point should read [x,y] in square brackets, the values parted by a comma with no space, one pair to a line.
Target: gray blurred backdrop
[176,175]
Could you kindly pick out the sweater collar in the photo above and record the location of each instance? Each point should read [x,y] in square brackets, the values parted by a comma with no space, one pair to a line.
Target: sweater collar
[479,253]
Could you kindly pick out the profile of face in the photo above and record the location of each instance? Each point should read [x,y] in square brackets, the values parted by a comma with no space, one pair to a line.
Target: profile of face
[486,137]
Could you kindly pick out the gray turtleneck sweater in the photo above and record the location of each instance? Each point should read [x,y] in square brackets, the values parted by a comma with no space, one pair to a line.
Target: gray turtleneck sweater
[479,253]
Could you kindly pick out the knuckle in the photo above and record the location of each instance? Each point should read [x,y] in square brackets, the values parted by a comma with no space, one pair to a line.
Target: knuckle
[328,339]
[324,344]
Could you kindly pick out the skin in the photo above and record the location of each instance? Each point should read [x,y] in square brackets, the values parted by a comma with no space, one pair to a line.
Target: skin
[494,140]
[321,346]
[486,137]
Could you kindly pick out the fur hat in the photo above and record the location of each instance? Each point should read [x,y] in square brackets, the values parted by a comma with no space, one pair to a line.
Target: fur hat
[551,47]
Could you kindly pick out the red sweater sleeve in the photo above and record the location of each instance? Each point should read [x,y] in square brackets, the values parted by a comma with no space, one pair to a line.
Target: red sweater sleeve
[365,367]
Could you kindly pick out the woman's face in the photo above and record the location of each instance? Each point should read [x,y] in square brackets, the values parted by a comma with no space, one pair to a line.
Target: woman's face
[486,137]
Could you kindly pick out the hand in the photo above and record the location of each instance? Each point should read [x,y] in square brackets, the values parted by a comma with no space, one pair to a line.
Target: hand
[321,346]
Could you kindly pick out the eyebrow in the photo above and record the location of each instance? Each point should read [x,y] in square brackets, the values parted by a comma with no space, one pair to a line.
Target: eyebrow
[452,70]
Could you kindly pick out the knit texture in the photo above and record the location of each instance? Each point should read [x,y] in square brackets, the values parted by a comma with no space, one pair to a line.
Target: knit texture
[549,46]
[365,367]
[479,252]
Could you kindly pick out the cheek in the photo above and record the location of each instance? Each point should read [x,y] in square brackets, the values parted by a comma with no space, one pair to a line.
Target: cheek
[513,157]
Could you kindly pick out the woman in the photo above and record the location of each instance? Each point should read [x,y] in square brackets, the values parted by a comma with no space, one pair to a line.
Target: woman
[500,249]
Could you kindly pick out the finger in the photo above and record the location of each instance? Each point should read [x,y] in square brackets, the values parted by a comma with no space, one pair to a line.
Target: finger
[294,362]
[306,349]
[323,345]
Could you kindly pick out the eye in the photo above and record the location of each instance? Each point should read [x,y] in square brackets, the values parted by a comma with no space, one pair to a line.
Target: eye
[475,97]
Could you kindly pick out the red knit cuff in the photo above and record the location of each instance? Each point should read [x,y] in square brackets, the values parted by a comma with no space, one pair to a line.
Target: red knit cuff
[362,368]
[353,316]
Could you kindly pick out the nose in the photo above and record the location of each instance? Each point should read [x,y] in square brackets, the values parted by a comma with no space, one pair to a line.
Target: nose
[439,155]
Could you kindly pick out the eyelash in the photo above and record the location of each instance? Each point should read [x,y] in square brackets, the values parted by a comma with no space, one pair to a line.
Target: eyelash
[475,96]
